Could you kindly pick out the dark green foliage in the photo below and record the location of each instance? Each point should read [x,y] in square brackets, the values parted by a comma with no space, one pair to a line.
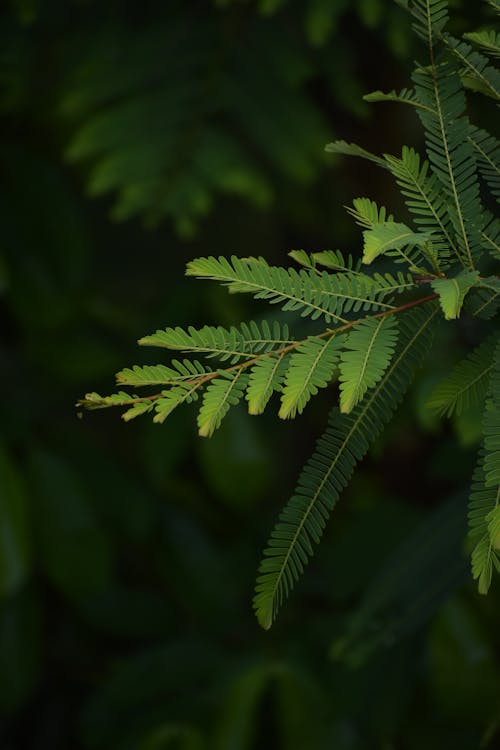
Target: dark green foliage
[445,251]
[128,552]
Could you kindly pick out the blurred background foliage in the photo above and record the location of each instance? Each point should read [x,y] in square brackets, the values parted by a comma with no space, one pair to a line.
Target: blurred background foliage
[133,138]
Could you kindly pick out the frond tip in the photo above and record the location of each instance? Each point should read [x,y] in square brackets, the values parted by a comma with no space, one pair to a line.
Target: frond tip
[345,442]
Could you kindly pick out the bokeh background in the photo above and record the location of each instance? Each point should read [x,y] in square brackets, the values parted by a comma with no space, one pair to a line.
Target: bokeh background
[135,136]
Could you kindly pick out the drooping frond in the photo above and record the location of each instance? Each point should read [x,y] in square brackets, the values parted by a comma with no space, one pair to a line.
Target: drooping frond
[227,344]
[222,393]
[451,155]
[483,502]
[491,426]
[368,352]
[487,150]
[452,292]
[266,377]
[315,295]
[467,384]
[485,495]
[344,443]
[388,236]
[488,41]
[312,366]
[351,149]
[476,71]
[424,199]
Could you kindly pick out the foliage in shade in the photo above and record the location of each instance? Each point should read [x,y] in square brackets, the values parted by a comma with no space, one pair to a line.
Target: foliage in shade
[369,331]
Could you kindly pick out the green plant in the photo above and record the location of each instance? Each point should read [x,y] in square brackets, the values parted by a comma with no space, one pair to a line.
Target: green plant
[370,331]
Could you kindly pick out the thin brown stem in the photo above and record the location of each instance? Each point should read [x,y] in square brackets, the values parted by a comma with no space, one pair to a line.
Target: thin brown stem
[290,347]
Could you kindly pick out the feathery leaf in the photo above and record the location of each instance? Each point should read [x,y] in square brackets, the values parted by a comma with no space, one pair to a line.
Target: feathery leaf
[368,352]
[467,384]
[344,443]
[312,366]
[452,292]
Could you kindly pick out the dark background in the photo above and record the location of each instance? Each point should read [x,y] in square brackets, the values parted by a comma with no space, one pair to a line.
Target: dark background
[133,138]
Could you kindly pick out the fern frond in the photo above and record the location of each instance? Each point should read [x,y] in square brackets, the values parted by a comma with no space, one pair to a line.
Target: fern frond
[351,149]
[488,41]
[315,295]
[477,73]
[368,352]
[344,443]
[487,150]
[367,213]
[452,155]
[483,303]
[222,393]
[483,502]
[431,16]
[171,399]
[405,96]
[424,199]
[160,374]
[452,292]
[485,494]
[467,384]
[390,235]
[312,366]
[490,235]
[491,426]
[277,285]
[335,261]
[227,344]
[96,401]
[266,377]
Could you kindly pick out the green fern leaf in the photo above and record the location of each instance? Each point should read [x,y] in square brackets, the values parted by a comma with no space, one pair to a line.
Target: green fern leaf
[368,214]
[215,341]
[483,505]
[312,366]
[160,374]
[491,427]
[467,384]
[313,294]
[485,494]
[424,199]
[431,16]
[266,377]
[222,393]
[171,399]
[451,155]
[335,261]
[344,443]
[406,96]
[489,41]
[351,149]
[369,349]
[476,71]
[487,150]
[390,235]
[452,292]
